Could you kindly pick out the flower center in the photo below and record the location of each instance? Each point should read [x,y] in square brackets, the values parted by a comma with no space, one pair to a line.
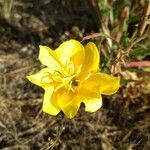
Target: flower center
[71,83]
[74,83]
[62,79]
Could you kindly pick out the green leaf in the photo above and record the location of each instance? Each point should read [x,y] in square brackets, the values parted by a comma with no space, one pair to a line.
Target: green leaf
[141,52]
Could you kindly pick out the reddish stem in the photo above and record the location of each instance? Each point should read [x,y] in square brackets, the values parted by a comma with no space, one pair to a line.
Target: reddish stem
[139,64]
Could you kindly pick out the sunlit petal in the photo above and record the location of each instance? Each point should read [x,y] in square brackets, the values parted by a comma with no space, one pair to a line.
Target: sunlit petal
[41,78]
[68,102]
[91,61]
[48,106]
[92,104]
[102,83]
[48,58]
[71,53]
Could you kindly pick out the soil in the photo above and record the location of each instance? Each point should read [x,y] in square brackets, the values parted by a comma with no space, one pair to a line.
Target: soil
[123,122]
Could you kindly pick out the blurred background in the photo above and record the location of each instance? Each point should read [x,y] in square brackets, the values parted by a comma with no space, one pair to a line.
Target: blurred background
[120,29]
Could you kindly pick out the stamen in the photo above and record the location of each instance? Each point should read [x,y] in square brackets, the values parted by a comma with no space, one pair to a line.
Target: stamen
[46,79]
[65,80]
[58,87]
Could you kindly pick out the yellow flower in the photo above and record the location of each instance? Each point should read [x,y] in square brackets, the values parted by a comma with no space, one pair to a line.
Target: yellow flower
[71,77]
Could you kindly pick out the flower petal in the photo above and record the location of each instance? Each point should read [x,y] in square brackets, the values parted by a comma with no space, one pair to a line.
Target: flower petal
[48,58]
[40,78]
[68,102]
[71,52]
[71,109]
[101,83]
[92,104]
[48,106]
[91,61]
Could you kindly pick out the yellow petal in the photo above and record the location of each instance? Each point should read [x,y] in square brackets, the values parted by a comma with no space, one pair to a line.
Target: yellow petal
[68,102]
[71,53]
[86,92]
[40,78]
[92,104]
[48,106]
[71,109]
[48,58]
[91,61]
[102,83]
